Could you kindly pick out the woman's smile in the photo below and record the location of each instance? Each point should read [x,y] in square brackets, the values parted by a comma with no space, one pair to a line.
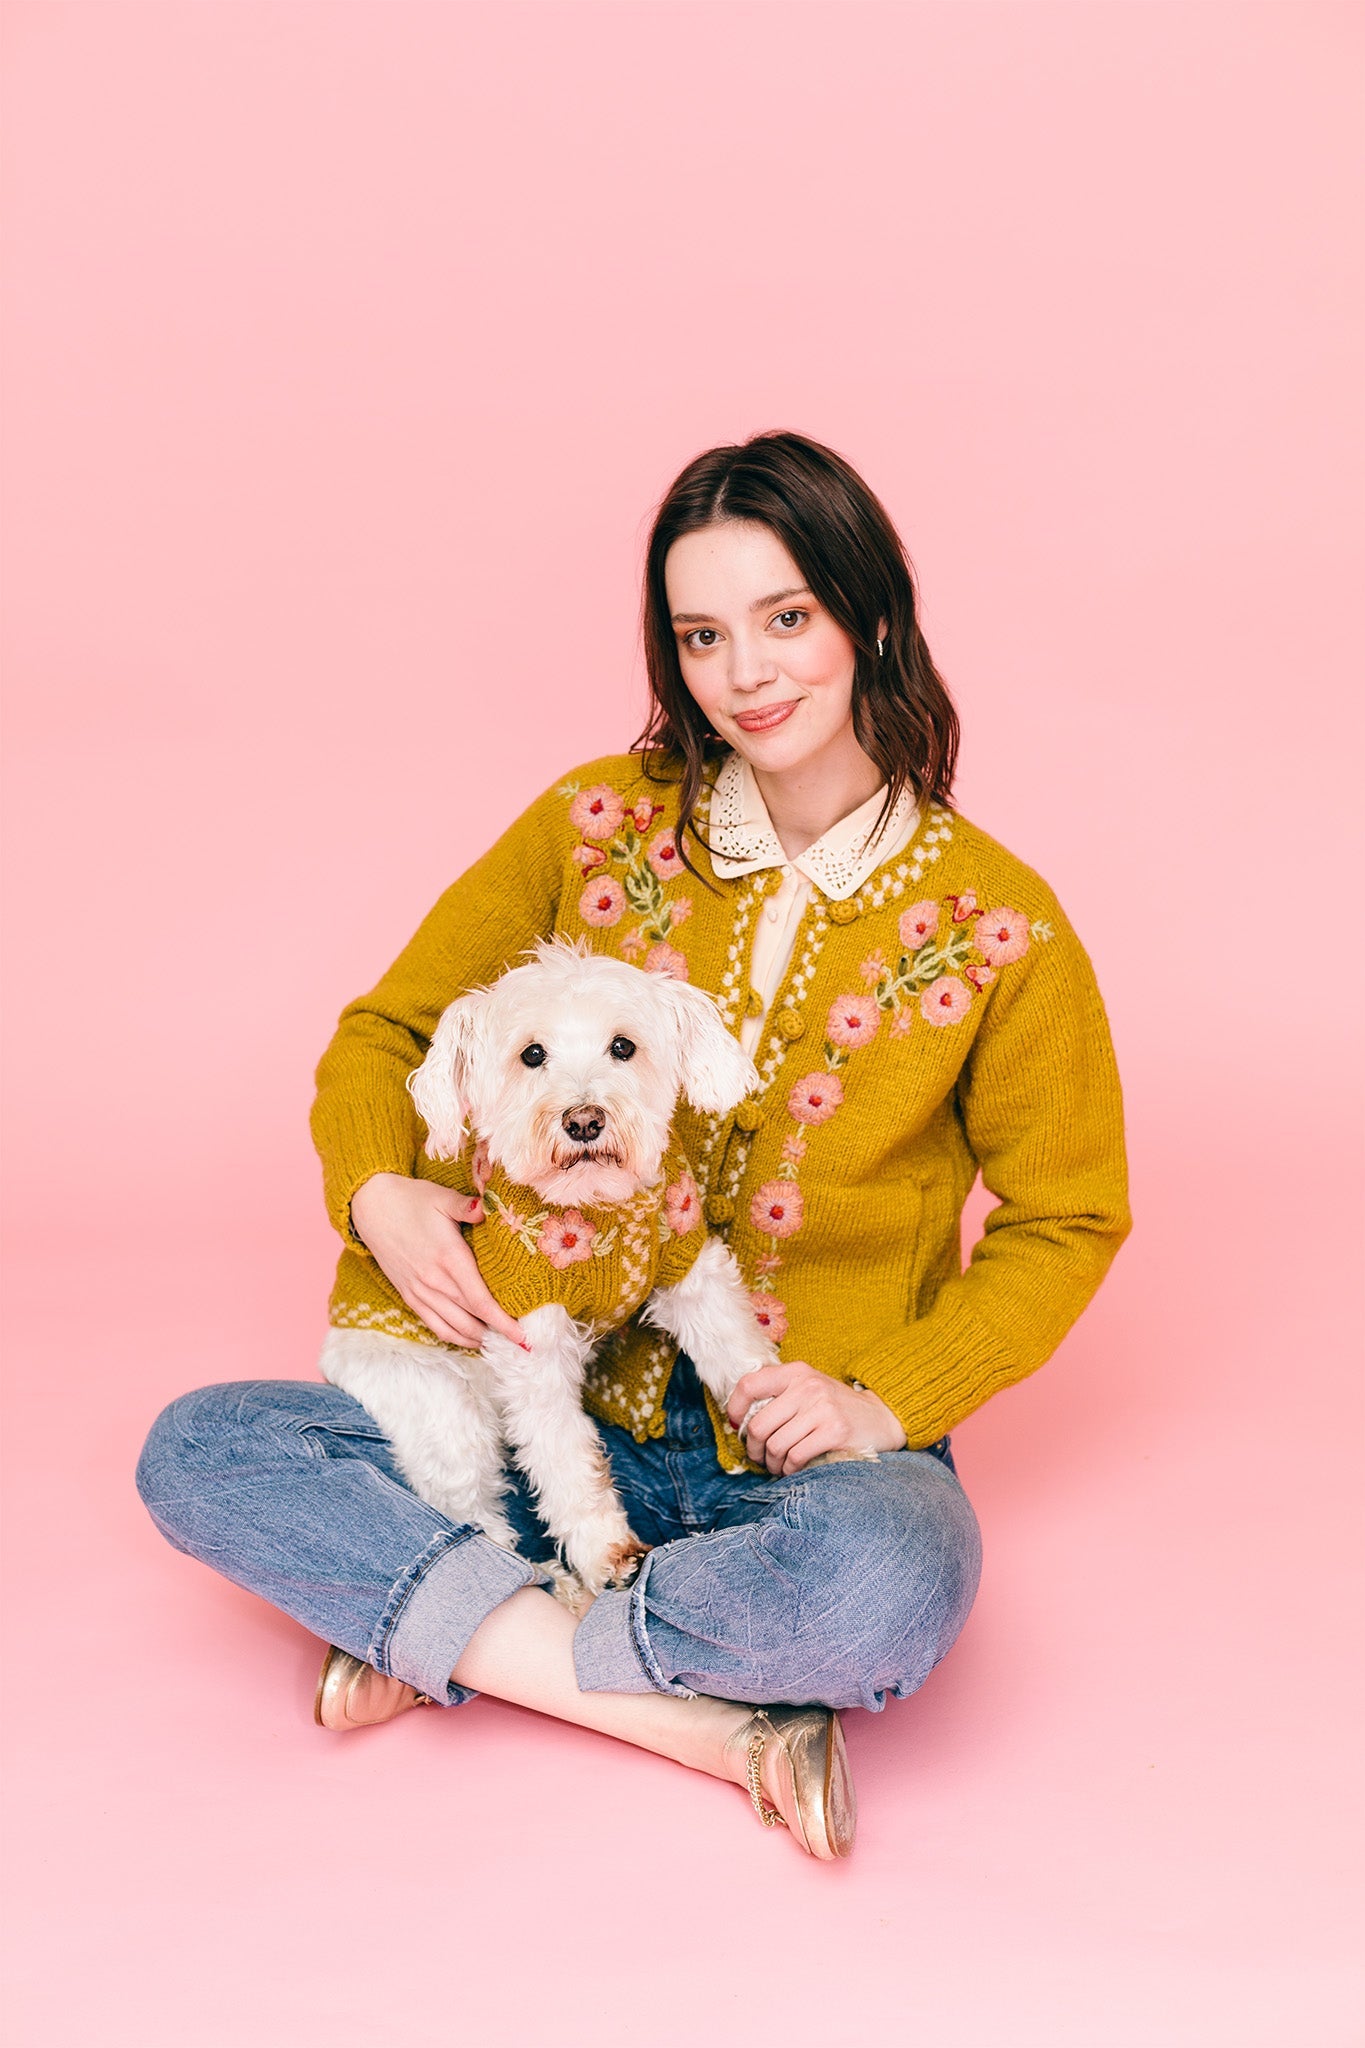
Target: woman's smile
[765,716]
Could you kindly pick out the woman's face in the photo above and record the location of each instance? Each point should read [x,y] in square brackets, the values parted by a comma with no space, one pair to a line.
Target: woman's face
[769,667]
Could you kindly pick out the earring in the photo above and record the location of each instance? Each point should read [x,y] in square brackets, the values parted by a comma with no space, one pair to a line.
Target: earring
[879,648]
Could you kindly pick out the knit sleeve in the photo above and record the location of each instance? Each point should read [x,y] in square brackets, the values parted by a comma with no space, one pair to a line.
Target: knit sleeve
[363,1120]
[1041,1104]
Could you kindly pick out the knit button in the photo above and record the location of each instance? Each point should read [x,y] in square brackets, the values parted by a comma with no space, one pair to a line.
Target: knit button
[790,1025]
[844,911]
[719,1209]
[748,1116]
[753,1004]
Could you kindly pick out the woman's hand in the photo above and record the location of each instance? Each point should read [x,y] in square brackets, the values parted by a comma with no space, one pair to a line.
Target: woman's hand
[412,1227]
[807,1413]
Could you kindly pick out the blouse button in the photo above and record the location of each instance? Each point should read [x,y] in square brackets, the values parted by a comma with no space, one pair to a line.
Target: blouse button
[771,914]
[844,910]
[719,1209]
[790,1025]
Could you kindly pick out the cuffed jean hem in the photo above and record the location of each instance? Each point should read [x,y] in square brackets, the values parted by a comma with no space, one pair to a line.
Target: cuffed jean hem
[436,1606]
[611,1651]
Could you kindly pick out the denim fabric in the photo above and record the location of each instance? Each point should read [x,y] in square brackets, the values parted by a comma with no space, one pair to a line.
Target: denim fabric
[840,1585]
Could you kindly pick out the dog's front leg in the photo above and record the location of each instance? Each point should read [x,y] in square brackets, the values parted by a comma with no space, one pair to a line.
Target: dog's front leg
[709,1314]
[555,1443]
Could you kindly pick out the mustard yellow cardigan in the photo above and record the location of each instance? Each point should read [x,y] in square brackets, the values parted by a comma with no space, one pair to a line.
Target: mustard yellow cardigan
[943,1018]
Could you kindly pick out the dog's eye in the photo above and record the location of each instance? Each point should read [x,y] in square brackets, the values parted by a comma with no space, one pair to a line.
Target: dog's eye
[622,1048]
[533,1056]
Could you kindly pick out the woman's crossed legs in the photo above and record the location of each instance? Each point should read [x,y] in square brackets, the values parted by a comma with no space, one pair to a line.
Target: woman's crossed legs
[838,1586]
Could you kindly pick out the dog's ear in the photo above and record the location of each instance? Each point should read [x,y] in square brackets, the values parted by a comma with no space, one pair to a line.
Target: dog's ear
[714,1070]
[441,1085]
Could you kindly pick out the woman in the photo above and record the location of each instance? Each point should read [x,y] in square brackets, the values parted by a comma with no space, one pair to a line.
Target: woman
[918,1007]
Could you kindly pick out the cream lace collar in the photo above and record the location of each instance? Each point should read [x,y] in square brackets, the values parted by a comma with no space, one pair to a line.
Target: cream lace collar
[839,861]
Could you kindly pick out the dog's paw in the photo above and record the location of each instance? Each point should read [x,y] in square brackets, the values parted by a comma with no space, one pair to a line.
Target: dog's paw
[612,1563]
[568,1589]
[624,1560]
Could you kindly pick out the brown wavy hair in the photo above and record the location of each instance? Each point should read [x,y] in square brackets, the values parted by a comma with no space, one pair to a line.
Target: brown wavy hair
[840,537]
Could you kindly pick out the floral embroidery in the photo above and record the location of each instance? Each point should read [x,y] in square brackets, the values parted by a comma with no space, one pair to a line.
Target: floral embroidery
[662,855]
[597,812]
[815,1098]
[563,1236]
[917,924]
[933,979]
[1002,935]
[666,960]
[682,1204]
[945,1001]
[777,1209]
[602,902]
[770,1314]
[853,1020]
[614,837]
[566,1238]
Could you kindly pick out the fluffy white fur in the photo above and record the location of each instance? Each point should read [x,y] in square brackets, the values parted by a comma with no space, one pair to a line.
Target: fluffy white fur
[450,1415]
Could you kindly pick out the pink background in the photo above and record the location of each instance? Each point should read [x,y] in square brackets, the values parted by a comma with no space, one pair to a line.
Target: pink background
[349,346]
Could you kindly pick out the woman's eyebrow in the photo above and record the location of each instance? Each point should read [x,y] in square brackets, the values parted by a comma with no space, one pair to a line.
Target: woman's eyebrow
[759,604]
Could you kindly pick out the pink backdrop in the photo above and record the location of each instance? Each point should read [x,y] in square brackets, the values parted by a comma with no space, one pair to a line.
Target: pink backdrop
[348,347]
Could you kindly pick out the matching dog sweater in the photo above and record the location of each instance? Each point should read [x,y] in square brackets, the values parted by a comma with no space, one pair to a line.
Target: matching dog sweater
[601,1263]
[941,1019]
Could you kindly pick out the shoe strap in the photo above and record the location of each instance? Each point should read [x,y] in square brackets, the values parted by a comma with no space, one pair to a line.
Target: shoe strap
[769,1815]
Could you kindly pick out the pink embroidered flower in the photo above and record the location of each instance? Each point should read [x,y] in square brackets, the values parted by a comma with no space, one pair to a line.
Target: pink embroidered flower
[632,945]
[588,858]
[917,924]
[679,910]
[853,1020]
[602,901]
[902,1021]
[771,1315]
[964,906]
[682,1204]
[643,815]
[979,977]
[945,1001]
[767,1262]
[597,812]
[777,1208]
[872,969]
[510,1217]
[566,1238]
[666,960]
[794,1147]
[662,855]
[815,1098]
[481,1166]
[1002,935]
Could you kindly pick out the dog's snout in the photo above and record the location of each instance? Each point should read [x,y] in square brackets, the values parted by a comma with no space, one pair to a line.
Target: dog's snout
[585,1123]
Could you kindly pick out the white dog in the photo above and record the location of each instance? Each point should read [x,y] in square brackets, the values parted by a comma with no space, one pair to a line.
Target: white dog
[568,1071]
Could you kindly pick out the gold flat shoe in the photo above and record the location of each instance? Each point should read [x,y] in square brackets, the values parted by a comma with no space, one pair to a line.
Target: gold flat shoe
[809,1787]
[351,1694]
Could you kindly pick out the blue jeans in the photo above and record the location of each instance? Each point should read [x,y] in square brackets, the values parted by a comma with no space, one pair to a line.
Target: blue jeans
[839,1585]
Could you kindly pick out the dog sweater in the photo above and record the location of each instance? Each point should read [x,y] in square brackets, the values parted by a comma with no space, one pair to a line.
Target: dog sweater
[941,1019]
[600,1262]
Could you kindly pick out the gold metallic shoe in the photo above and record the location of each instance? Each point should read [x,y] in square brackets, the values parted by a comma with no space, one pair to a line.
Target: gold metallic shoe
[808,1780]
[354,1695]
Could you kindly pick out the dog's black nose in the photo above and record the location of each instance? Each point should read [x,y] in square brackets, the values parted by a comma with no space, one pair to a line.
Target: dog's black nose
[585,1123]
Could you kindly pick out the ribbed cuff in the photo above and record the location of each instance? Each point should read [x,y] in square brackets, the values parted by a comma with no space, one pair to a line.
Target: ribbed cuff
[436,1607]
[611,1651]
